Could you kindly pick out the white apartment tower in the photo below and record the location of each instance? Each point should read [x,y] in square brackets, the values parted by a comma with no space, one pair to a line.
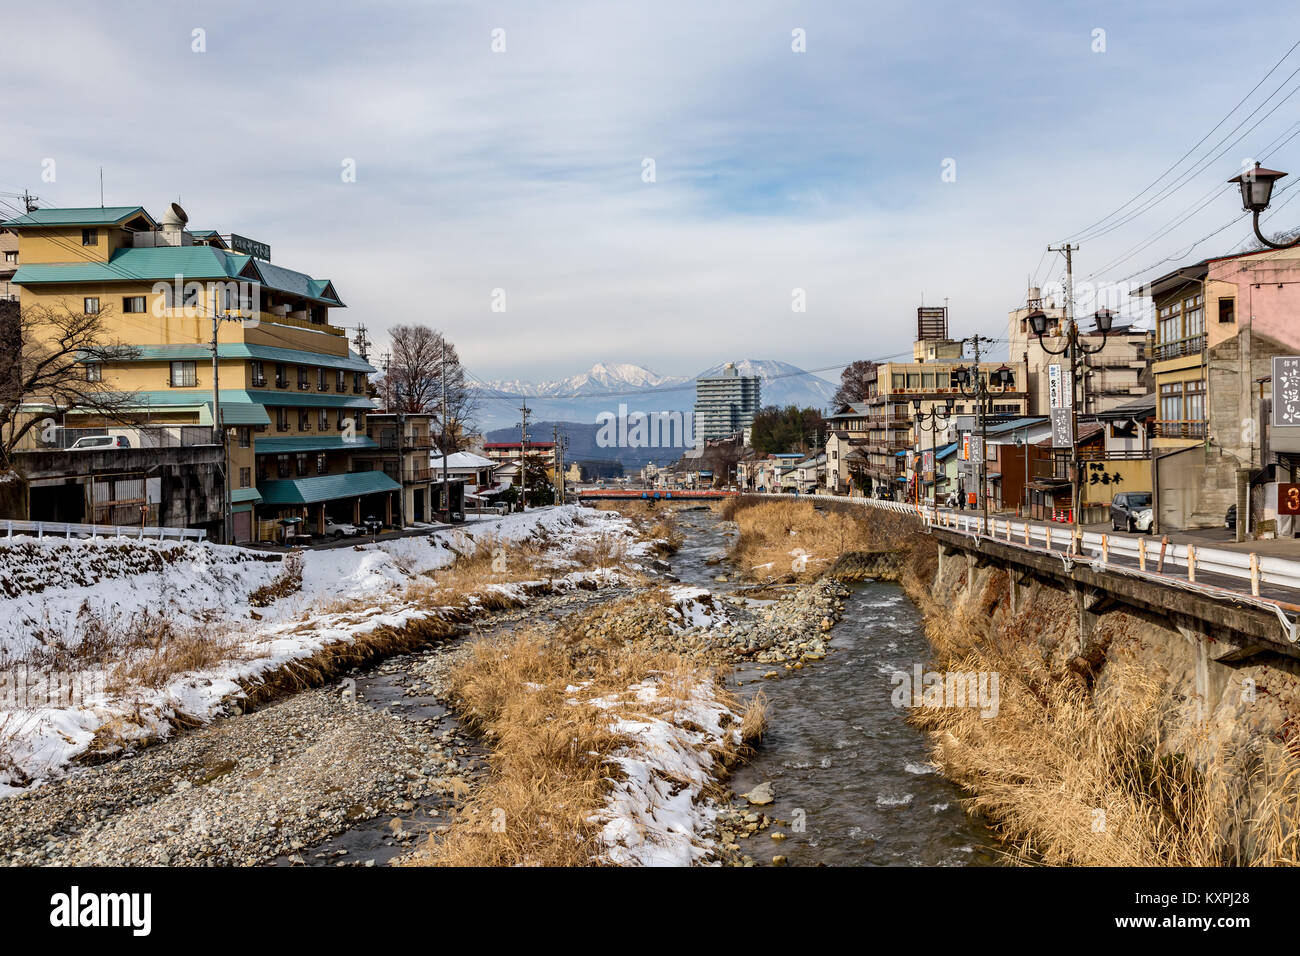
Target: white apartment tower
[725,403]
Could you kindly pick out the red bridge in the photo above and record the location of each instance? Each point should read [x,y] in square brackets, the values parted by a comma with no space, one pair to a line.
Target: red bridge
[655,494]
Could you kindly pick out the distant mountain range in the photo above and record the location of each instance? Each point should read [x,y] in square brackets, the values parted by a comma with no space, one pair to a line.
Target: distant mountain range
[603,387]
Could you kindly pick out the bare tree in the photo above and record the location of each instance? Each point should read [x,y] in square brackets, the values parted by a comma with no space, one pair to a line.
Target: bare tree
[853,383]
[51,356]
[414,382]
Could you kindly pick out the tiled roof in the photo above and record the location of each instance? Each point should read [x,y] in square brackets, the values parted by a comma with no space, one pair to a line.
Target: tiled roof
[306,491]
[313,443]
[75,216]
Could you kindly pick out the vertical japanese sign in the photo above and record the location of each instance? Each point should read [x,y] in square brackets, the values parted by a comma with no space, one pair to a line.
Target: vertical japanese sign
[1286,390]
[927,465]
[965,446]
[1060,400]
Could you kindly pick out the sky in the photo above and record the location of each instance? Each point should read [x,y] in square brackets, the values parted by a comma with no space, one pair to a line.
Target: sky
[665,184]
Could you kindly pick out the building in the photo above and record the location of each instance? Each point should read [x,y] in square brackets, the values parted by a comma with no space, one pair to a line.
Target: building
[506,455]
[1219,324]
[8,265]
[844,444]
[898,391]
[402,447]
[1120,372]
[725,404]
[810,473]
[291,401]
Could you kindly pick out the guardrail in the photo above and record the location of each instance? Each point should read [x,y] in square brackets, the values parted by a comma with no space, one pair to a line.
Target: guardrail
[69,530]
[1154,557]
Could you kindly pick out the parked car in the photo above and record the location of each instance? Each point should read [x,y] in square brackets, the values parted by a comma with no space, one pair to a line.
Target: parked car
[1230,519]
[341,529]
[1131,511]
[97,442]
[372,524]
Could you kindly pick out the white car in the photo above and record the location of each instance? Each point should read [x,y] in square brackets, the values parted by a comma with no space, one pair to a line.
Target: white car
[96,442]
[341,529]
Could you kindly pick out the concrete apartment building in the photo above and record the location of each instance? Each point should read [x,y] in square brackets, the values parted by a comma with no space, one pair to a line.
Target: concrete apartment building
[930,380]
[1219,324]
[725,404]
[1120,372]
[292,398]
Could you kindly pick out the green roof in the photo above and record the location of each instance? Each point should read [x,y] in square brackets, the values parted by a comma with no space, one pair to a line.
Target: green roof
[266,446]
[242,495]
[238,396]
[164,263]
[239,413]
[307,399]
[307,491]
[76,216]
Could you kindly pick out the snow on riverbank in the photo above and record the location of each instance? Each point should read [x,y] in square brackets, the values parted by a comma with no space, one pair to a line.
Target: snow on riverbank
[343,593]
[658,814]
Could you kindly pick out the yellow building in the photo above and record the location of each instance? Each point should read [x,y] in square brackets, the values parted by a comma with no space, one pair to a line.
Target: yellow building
[290,396]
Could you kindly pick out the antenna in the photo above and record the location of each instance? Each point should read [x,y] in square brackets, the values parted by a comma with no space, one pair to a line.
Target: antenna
[101,187]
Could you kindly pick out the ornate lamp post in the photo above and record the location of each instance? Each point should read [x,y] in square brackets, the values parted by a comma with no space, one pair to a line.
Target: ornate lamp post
[973,384]
[1074,350]
[1256,194]
[929,421]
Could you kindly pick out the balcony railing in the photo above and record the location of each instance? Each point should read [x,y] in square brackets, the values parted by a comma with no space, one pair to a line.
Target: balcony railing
[1115,454]
[1170,350]
[1171,429]
[140,436]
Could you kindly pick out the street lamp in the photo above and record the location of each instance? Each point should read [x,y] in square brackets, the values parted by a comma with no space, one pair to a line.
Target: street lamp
[932,417]
[1074,349]
[1256,194]
[974,385]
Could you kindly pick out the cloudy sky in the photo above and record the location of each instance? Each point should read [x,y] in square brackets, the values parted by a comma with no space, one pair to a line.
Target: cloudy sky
[525,169]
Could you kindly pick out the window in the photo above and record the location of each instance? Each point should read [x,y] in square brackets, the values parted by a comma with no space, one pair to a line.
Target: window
[340,416]
[282,419]
[356,382]
[1227,310]
[302,377]
[1194,401]
[282,465]
[927,380]
[133,303]
[259,374]
[183,375]
[90,305]
[281,380]
[245,436]
[323,419]
[898,380]
[11,256]
[1171,402]
[340,384]
[301,463]
[914,380]
[322,463]
[94,372]
[261,469]
[322,380]
[304,420]
[90,237]
[245,477]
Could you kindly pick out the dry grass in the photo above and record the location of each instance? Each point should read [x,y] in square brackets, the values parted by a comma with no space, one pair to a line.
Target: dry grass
[287,581]
[551,763]
[1073,774]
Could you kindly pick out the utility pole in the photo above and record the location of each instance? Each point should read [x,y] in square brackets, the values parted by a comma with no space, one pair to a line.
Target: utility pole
[555,457]
[523,455]
[227,518]
[1076,371]
[29,201]
[446,488]
[401,470]
[362,343]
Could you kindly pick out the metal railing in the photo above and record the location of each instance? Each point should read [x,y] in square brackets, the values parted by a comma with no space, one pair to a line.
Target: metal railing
[1159,560]
[1169,350]
[62,529]
[140,436]
[1180,429]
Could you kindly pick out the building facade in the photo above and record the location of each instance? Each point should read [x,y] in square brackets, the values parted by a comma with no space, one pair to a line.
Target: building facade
[725,404]
[289,398]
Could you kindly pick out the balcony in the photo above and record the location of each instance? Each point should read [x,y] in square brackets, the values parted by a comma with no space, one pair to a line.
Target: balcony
[1171,429]
[259,381]
[1171,350]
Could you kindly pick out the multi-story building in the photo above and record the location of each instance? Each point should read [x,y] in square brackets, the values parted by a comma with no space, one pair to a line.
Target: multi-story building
[506,453]
[1118,373]
[1219,324]
[291,399]
[897,391]
[848,435]
[725,404]
[403,443]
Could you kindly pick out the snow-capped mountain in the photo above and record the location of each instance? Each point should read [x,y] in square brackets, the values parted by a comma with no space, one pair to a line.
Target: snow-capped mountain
[596,380]
[580,398]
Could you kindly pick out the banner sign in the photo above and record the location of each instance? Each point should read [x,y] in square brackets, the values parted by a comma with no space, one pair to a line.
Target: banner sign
[1286,390]
[1060,395]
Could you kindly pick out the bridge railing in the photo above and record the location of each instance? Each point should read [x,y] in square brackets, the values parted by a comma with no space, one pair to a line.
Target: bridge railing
[63,529]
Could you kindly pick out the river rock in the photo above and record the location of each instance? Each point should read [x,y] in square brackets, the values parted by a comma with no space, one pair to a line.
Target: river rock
[761,795]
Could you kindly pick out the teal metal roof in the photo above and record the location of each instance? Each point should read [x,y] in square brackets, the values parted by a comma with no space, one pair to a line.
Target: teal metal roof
[307,491]
[306,399]
[239,350]
[243,495]
[164,263]
[266,446]
[76,216]
[240,413]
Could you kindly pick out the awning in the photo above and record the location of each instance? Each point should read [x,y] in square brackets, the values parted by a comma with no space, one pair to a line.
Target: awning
[244,495]
[307,491]
[310,443]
